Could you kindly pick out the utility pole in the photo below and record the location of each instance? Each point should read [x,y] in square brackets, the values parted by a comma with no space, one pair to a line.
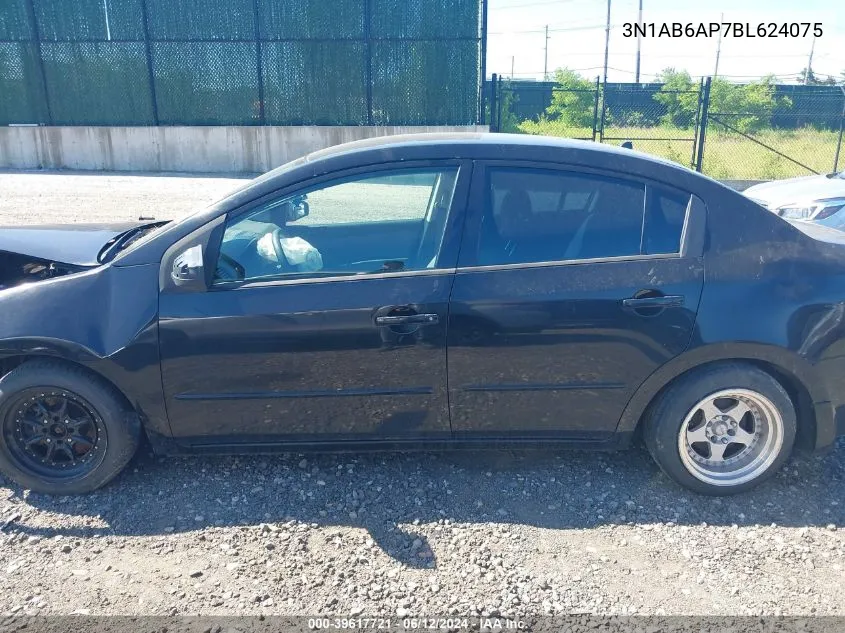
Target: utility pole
[809,70]
[106,12]
[606,43]
[639,41]
[513,59]
[718,48]
[546,60]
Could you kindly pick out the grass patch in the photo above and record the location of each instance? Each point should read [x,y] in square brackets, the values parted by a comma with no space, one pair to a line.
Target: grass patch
[726,155]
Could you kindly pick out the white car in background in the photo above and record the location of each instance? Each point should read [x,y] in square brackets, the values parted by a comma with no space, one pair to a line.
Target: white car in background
[818,199]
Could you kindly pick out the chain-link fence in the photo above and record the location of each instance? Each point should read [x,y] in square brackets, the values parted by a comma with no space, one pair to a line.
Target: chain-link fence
[654,119]
[756,131]
[241,62]
[543,108]
[797,132]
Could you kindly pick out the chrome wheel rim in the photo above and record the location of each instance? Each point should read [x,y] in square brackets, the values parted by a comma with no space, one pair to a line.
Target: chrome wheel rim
[731,437]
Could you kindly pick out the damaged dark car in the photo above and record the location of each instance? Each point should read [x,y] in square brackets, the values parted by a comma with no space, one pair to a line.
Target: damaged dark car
[435,291]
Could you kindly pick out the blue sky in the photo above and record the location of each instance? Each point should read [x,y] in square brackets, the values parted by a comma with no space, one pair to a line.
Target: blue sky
[576,28]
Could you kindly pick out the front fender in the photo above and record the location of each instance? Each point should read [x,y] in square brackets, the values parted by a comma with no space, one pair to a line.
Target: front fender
[105,319]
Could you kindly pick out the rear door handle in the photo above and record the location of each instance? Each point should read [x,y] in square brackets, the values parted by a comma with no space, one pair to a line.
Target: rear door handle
[408,319]
[663,301]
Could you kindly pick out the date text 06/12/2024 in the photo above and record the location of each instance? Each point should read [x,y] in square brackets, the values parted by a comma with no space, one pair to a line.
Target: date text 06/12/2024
[727,29]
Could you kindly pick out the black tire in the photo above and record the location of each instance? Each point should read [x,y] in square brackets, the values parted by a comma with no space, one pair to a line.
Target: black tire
[116,429]
[667,416]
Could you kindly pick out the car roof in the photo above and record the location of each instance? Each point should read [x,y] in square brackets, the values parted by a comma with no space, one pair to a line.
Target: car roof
[463,145]
[489,140]
[469,145]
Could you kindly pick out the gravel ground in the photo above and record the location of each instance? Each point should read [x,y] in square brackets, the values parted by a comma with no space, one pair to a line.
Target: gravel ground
[54,197]
[422,534]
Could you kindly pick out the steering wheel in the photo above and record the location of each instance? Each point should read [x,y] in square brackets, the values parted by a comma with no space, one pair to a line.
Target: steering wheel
[278,236]
[433,225]
[228,269]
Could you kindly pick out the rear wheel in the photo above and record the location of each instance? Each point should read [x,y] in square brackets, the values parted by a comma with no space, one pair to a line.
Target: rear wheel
[722,429]
[62,429]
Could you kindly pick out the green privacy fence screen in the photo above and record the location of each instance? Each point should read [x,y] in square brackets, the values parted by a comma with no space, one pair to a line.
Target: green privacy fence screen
[241,62]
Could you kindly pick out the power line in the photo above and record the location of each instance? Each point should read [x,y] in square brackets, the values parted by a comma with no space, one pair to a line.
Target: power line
[691,55]
[820,73]
[574,28]
[529,4]
[545,2]
[757,76]
[631,72]
[572,23]
[576,70]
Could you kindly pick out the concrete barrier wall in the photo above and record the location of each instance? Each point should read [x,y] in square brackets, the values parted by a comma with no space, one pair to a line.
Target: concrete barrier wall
[183,149]
[741,185]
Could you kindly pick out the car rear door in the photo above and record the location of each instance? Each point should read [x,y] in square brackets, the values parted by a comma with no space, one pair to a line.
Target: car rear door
[572,287]
[353,349]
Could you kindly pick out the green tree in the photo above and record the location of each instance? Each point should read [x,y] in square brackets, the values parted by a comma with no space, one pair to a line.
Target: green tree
[509,121]
[807,76]
[747,107]
[679,95]
[812,79]
[572,99]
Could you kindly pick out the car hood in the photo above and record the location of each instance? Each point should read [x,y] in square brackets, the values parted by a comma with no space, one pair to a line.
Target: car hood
[821,232]
[779,192]
[77,244]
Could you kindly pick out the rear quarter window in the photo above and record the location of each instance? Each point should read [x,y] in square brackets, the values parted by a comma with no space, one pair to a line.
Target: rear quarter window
[666,212]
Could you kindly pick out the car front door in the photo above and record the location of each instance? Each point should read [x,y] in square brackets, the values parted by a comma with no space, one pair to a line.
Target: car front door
[572,287]
[326,316]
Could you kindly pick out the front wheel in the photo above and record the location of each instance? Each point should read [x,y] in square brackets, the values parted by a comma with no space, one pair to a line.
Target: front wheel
[63,430]
[722,429]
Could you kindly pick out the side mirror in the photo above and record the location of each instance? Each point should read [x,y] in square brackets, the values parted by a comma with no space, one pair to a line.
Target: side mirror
[188,271]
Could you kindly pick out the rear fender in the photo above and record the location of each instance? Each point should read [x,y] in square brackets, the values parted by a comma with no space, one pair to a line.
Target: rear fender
[815,415]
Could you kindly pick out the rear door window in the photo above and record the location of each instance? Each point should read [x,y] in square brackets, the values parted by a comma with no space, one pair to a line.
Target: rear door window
[537,215]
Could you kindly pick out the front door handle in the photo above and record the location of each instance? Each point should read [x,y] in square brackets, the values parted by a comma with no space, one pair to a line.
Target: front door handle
[658,301]
[408,319]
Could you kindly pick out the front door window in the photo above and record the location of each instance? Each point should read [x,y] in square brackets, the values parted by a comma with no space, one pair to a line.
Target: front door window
[390,222]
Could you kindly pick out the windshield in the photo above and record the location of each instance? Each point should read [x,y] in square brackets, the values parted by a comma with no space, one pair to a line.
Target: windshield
[201,215]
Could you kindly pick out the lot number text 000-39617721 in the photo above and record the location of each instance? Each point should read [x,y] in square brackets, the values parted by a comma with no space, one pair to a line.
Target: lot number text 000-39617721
[727,29]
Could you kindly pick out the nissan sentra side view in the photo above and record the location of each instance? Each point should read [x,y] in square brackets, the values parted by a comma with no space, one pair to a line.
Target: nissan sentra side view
[429,291]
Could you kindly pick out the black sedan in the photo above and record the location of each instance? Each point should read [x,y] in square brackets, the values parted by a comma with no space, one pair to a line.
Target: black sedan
[429,291]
